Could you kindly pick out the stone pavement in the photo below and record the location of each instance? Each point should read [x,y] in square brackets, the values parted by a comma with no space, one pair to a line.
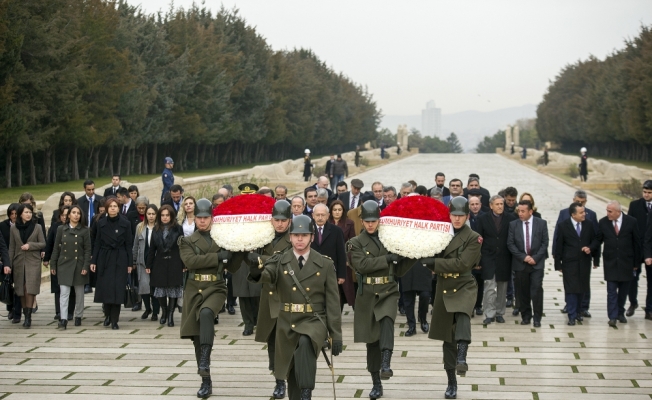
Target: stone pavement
[143,360]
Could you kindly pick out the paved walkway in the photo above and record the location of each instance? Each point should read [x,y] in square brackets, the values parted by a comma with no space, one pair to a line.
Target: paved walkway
[146,361]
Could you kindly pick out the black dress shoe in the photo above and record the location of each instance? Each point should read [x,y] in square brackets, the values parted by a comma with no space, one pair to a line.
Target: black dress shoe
[411,331]
[401,310]
[10,315]
[579,317]
[425,327]
[247,332]
[632,308]
[137,307]
[515,311]
[16,319]
[509,303]
[115,326]
[500,319]
[154,317]
[78,321]
[487,321]
[216,320]
[107,321]
[586,314]
[648,315]
[537,324]
[622,319]
[525,322]
[564,310]
[231,310]
[146,314]
[571,322]
[88,289]
[478,311]
[612,322]
[69,317]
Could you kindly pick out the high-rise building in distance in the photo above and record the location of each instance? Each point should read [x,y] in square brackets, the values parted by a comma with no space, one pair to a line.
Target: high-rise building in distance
[431,120]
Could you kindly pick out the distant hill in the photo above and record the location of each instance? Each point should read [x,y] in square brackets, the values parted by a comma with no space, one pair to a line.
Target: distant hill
[470,126]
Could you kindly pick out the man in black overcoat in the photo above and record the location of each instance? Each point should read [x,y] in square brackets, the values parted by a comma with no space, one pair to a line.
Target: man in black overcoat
[621,258]
[577,243]
[640,209]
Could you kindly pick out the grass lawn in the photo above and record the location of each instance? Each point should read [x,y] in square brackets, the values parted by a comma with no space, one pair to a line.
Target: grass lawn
[613,195]
[42,192]
[562,176]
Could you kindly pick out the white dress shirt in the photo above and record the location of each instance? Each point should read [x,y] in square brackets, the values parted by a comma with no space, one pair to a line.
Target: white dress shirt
[530,233]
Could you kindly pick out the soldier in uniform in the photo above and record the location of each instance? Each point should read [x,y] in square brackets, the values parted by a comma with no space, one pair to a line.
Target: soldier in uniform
[205,290]
[376,301]
[269,300]
[456,293]
[167,177]
[309,308]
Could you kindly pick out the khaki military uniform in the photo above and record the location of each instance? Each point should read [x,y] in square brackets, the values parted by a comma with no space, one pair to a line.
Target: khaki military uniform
[456,292]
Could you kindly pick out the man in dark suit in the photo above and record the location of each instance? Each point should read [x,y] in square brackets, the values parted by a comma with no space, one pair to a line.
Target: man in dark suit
[440,181]
[474,184]
[475,211]
[310,193]
[621,258]
[647,254]
[90,198]
[351,199]
[115,186]
[176,197]
[377,190]
[128,208]
[496,261]
[528,242]
[640,209]
[329,241]
[577,243]
[579,197]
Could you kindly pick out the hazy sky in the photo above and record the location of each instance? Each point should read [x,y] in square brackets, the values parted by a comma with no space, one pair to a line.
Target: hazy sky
[465,55]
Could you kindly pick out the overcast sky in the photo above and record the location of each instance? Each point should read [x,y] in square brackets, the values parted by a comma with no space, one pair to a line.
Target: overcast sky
[465,55]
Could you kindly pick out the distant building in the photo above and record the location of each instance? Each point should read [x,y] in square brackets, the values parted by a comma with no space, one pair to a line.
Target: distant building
[431,120]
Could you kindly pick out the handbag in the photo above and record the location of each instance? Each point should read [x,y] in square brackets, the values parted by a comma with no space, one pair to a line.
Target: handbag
[131,296]
[7,290]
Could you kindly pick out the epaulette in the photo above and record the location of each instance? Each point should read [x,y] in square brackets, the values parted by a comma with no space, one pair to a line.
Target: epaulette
[278,251]
[327,257]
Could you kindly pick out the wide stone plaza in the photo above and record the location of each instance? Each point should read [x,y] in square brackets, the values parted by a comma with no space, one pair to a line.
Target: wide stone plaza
[144,360]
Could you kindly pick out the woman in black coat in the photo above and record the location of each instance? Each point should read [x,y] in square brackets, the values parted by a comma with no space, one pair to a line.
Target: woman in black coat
[112,261]
[164,262]
[67,199]
[62,215]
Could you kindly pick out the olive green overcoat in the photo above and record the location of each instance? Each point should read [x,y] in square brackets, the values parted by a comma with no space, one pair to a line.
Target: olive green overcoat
[269,300]
[71,255]
[376,301]
[455,294]
[319,280]
[200,257]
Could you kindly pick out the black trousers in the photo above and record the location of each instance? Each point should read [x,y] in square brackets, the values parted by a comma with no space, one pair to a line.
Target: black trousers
[249,311]
[271,348]
[401,297]
[230,298]
[478,279]
[303,372]
[529,288]
[461,331]
[409,298]
[113,311]
[385,342]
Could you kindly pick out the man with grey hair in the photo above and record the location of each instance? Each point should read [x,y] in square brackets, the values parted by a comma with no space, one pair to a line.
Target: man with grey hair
[406,189]
[621,258]
[437,194]
[322,196]
[496,262]
[280,192]
[389,195]
[564,214]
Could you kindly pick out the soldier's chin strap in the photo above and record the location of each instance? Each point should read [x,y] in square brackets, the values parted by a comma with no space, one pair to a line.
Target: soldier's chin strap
[330,339]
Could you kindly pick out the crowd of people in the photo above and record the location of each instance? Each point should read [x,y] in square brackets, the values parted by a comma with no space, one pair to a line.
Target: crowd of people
[102,244]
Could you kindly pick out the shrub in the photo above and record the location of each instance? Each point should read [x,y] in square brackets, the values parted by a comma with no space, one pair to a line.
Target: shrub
[364,161]
[630,189]
[573,171]
[540,160]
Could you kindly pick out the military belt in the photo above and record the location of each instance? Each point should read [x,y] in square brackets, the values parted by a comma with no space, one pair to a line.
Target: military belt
[452,275]
[204,277]
[301,308]
[378,280]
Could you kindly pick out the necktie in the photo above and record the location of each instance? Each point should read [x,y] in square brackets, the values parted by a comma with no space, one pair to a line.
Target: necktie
[124,210]
[91,210]
[616,227]
[320,234]
[301,262]
[577,228]
[352,202]
[527,237]
[649,207]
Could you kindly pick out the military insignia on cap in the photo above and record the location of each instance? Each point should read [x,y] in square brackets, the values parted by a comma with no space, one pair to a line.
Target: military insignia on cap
[248,188]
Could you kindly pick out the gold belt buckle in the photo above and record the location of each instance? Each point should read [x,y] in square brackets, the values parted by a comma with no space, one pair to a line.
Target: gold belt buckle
[297,308]
[204,278]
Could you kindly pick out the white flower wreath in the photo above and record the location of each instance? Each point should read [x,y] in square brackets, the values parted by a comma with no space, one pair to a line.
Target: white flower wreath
[414,238]
[242,232]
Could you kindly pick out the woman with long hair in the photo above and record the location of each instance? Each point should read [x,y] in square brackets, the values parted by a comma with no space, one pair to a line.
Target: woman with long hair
[144,232]
[15,310]
[527,196]
[70,262]
[26,242]
[112,261]
[164,263]
[54,279]
[134,193]
[67,199]
[141,206]
[186,217]
[338,217]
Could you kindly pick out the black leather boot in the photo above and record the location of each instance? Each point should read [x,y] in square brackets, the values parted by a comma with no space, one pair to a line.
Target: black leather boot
[205,360]
[376,391]
[28,317]
[462,348]
[164,310]
[206,388]
[451,389]
[171,308]
[385,364]
[306,394]
[279,389]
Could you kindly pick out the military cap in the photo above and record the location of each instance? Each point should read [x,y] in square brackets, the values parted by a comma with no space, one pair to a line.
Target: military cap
[301,224]
[248,188]
[458,206]
[357,183]
[370,211]
[204,208]
[169,160]
[282,210]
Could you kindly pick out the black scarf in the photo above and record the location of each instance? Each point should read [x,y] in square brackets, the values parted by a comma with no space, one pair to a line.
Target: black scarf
[277,237]
[25,228]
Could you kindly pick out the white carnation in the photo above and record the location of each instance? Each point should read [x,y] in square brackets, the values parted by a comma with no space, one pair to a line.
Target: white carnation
[411,242]
[242,236]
